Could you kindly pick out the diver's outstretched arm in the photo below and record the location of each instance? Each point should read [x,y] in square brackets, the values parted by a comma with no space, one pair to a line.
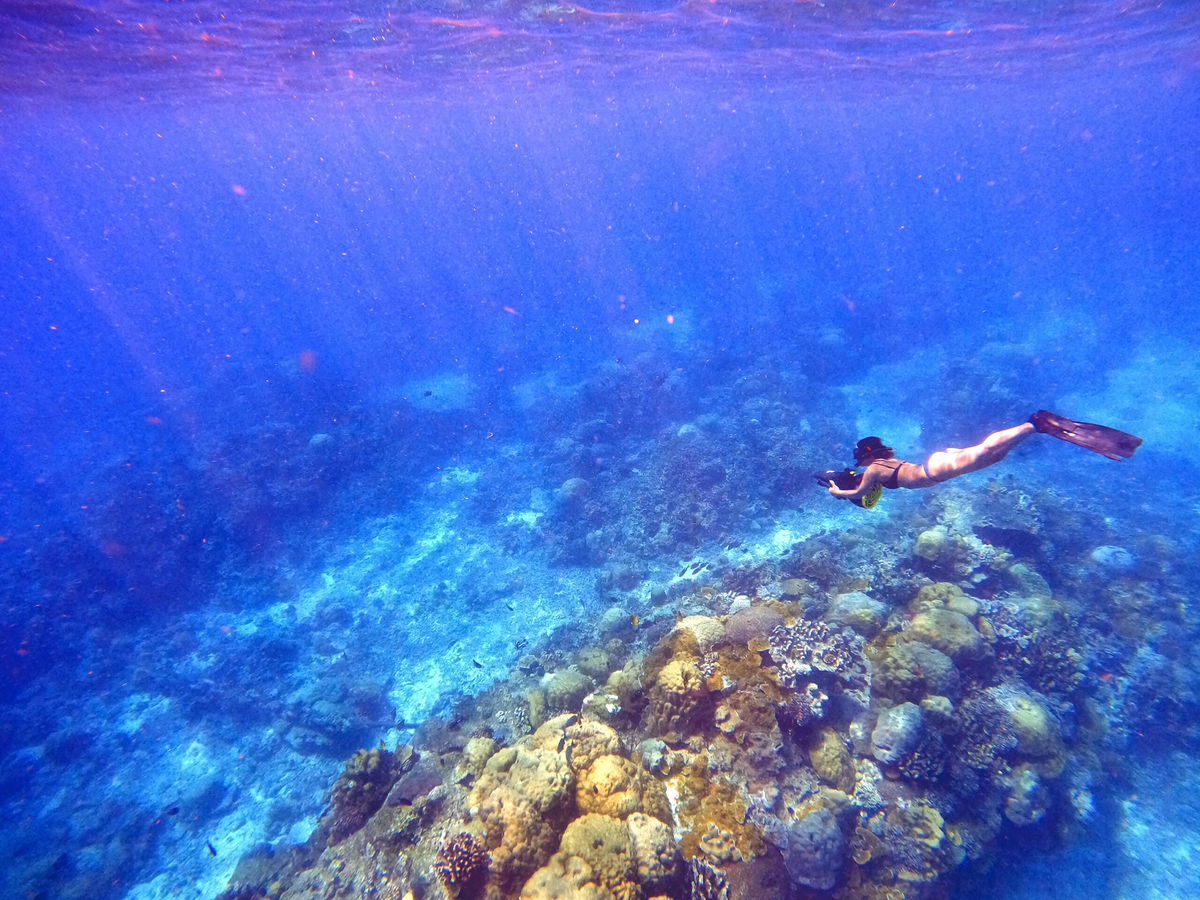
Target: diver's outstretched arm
[870,478]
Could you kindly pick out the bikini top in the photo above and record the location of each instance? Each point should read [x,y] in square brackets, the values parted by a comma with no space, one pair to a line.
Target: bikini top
[893,480]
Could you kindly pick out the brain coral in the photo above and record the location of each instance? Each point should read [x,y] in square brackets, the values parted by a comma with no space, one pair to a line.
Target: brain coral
[1028,798]
[859,611]
[813,847]
[566,688]
[943,594]
[897,732]
[1036,729]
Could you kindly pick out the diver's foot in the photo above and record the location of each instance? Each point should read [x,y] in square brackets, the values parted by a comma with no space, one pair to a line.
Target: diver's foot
[1045,422]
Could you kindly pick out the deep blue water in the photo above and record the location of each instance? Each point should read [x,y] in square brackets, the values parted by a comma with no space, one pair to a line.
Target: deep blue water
[309,313]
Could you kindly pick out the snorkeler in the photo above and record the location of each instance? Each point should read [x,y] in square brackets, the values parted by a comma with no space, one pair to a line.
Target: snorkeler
[881,469]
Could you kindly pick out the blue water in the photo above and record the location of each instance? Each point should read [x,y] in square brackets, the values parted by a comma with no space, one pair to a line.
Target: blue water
[351,352]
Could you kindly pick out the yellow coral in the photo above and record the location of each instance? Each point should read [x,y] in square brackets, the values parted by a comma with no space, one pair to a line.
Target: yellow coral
[604,844]
[931,543]
[565,878]
[707,631]
[709,809]
[625,684]
[675,699]
[520,800]
[610,786]
[940,594]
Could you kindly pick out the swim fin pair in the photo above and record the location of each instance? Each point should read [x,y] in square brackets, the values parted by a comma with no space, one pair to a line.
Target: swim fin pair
[1099,438]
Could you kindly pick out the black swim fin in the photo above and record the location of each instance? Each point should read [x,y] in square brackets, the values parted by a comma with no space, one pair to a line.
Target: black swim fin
[1100,438]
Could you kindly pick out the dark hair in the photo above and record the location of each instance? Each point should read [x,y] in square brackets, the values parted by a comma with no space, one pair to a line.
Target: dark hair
[871,448]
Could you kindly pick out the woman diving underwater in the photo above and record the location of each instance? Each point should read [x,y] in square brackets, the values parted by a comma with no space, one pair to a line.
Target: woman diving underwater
[881,469]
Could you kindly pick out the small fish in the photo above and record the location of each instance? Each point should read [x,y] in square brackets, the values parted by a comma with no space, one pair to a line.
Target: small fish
[635,620]
[511,606]
[520,643]
[429,393]
[477,664]
[172,810]
[211,849]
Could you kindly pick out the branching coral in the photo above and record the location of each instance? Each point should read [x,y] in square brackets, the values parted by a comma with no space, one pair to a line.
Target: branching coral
[1040,655]
[926,761]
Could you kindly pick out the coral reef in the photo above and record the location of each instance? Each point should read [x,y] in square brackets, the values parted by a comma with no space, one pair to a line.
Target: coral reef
[855,740]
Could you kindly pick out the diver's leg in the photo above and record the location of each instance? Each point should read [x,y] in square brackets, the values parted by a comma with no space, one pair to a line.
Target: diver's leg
[949,463]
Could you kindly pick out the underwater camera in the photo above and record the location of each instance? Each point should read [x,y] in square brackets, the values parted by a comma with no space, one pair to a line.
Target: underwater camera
[847,480]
